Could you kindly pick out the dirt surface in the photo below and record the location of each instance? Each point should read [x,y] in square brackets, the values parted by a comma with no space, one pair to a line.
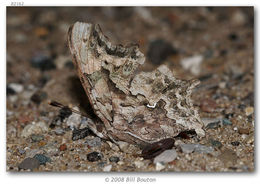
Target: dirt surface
[219,42]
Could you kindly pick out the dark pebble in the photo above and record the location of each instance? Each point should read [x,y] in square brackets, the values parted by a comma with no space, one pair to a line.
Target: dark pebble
[39,96]
[226,122]
[37,137]
[94,156]
[223,52]
[114,159]
[213,125]
[233,37]
[205,77]
[10,91]
[80,133]
[22,151]
[159,50]
[69,65]
[43,80]
[101,164]
[235,143]
[42,159]
[242,107]
[249,99]
[215,143]
[208,53]
[42,62]
[29,163]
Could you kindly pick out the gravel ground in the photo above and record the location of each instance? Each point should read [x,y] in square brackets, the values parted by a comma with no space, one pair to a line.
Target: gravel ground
[214,45]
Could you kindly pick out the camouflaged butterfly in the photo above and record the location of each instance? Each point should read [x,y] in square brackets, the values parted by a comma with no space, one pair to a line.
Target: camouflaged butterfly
[137,108]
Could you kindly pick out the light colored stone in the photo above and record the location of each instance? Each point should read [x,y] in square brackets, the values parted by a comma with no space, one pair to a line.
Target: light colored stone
[59,131]
[107,168]
[249,110]
[61,61]
[124,146]
[30,153]
[18,88]
[34,128]
[203,149]
[159,166]
[192,64]
[187,148]
[95,142]
[166,157]
[139,164]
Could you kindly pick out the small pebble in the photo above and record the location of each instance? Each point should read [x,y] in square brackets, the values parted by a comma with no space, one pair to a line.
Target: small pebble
[207,121]
[42,62]
[30,153]
[34,128]
[124,146]
[51,150]
[233,36]
[208,105]
[41,32]
[42,159]
[215,143]
[38,97]
[250,138]
[187,148]
[94,156]
[61,60]
[222,85]
[37,137]
[107,168]
[203,149]
[80,133]
[17,88]
[159,166]
[166,156]
[213,125]
[192,64]
[22,151]
[63,147]
[29,163]
[235,143]
[249,110]
[159,50]
[139,164]
[43,80]
[114,159]
[10,91]
[226,122]
[243,131]
[59,131]
[101,164]
[95,142]
[69,65]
